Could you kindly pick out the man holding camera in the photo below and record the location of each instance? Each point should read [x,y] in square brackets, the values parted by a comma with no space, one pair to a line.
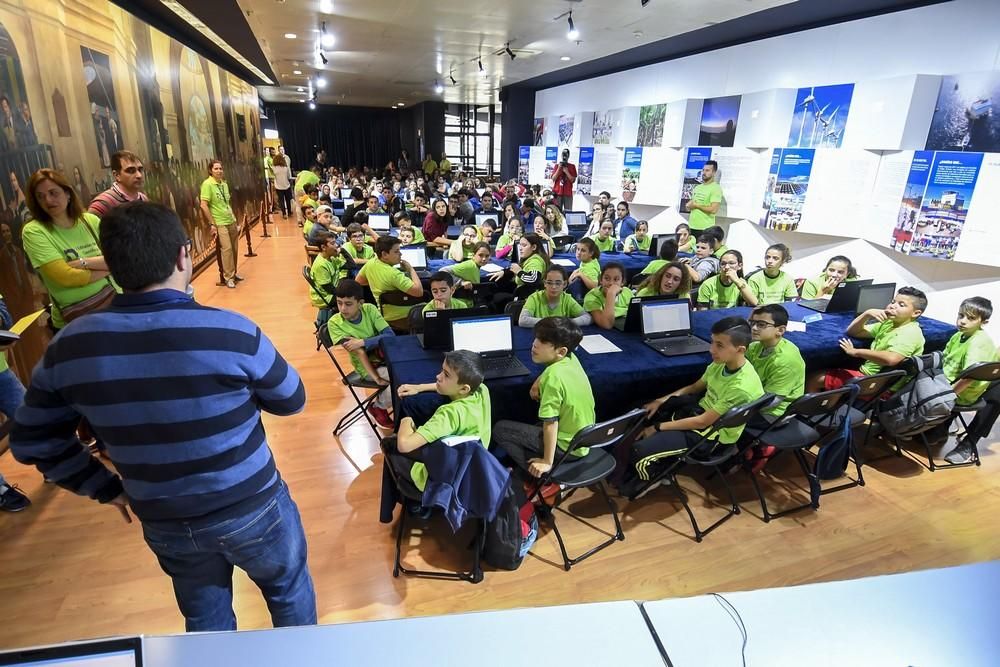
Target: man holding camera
[562,182]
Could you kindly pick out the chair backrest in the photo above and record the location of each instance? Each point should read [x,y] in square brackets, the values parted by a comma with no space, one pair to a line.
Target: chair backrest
[514,309]
[739,415]
[416,318]
[328,344]
[604,434]
[873,386]
[984,371]
[397,298]
[637,279]
[814,408]
[307,274]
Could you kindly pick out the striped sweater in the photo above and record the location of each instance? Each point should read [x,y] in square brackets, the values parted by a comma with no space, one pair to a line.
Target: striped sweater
[175,391]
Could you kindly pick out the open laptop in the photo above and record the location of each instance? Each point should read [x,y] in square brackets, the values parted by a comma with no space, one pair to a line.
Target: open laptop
[576,220]
[437,326]
[875,296]
[379,222]
[844,300]
[666,327]
[417,257]
[494,216]
[657,241]
[492,337]
[123,652]
[632,322]
[345,193]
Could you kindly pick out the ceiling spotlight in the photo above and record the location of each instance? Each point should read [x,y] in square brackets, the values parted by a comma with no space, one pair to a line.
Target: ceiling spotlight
[290,35]
[481,65]
[312,105]
[323,58]
[326,39]
[301,89]
[564,58]
[296,71]
[320,82]
[326,6]
[573,33]
[509,52]
[438,88]
[453,82]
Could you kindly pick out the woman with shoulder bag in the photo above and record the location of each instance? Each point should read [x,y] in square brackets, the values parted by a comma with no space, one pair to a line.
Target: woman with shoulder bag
[62,244]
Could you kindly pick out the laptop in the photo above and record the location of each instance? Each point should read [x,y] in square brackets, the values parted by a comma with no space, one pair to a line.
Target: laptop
[437,326]
[656,241]
[123,652]
[379,223]
[417,257]
[875,296]
[576,220]
[494,216]
[492,337]
[844,300]
[345,193]
[666,327]
[632,323]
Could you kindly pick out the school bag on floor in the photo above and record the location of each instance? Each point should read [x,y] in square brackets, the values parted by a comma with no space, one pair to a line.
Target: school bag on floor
[511,534]
[926,401]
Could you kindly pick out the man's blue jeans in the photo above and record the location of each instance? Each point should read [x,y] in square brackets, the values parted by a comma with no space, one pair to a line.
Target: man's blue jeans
[268,544]
[11,393]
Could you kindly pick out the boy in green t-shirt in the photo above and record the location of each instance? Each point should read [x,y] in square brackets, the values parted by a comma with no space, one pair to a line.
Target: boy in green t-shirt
[358,327]
[381,276]
[971,345]
[730,380]
[325,273]
[442,286]
[356,246]
[407,237]
[565,400]
[895,336]
[469,271]
[467,414]
[778,362]
[609,301]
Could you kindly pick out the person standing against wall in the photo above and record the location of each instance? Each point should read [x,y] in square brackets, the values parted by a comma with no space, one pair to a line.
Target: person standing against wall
[563,178]
[130,177]
[705,198]
[216,205]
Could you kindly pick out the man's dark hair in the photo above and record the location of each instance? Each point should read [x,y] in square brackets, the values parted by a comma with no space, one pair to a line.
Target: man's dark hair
[468,367]
[357,193]
[485,195]
[737,328]
[559,331]
[385,244]
[777,312]
[398,216]
[479,246]
[316,167]
[668,250]
[919,298]
[322,238]
[118,157]
[442,277]
[140,241]
[977,306]
[353,229]
[361,218]
[349,289]
[604,193]
[713,163]
[613,266]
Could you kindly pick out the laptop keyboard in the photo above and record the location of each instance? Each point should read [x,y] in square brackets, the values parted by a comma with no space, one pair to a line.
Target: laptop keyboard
[677,343]
[500,363]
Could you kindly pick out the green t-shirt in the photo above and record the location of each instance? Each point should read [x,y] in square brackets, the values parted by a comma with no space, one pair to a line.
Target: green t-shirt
[772,290]
[534,263]
[370,324]
[607,245]
[366,252]
[384,278]
[307,226]
[906,339]
[469,416]
[633,243]
[564,393]
[725,390]
[720,251]
[325,272]
[592,269]
[47,243]
[505,240]
[704,194]
[456,304]
[219,202]
[717,295]
[649,291]
[960,353]
[429,166]
[304,178]
[812,288]
[418,236]
[689,245]
[269,167]
[538,305]
[654,266]
[781,370]
[595,301]
[467,270]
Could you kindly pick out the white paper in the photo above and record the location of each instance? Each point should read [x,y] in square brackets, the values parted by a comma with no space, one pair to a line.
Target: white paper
[564,262]
[492,268]
[795,326]
[598,344]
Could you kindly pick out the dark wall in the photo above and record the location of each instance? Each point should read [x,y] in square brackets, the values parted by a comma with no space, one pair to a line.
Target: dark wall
[516,126]
[429,119]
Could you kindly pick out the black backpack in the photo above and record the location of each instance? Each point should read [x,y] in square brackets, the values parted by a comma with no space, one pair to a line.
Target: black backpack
[508,537]
[924,402]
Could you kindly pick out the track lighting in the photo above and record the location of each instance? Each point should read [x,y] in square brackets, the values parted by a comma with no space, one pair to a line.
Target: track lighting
[573,33]
[438,88]
[509,52]
[323,58]
[326,39]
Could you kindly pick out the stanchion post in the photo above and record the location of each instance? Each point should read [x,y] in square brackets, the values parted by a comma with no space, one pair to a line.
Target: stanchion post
[246,233]
[218,258]
[265,217]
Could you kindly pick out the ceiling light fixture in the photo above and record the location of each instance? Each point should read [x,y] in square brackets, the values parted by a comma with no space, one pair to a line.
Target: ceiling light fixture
[320,82]
[326,39]
[326,6]
[509,52]
[323,58]
[438,88]
[290,35]
[564,58]
[296,71]
[481,65]
[572,33]
[312,105]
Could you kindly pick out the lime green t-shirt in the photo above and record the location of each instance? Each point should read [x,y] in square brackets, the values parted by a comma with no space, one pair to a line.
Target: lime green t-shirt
[269,167]
[467,271]
[704,194]
[564,393]
[812,288]
[654,266]
[469,416]
[418,236]
[325,272]
[634,243]
[649,291]
[371,323]
[538,305]
[307,226]
[725,390]
[384,278]
[366,252]
[688,245]
[304,178]
[47,243]
[456,304]
[607,245]
[534,263]
[906,339]
[592,269]
[964,351]
[595,301]
[781,370]
[717,295]
[219,202]
[772,290]
[720,251]
[505,240]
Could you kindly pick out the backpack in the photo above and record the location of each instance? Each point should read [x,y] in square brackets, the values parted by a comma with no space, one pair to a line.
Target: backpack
[924,402]
[832,458]
[511,534]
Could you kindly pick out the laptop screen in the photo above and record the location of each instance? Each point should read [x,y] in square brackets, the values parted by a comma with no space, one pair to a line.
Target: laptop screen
[483,217]
[417,257]
[875,296]
[664,317]
[576,219]
[658,241]
[486,334]
[345,193]
[108,653]
[379,223]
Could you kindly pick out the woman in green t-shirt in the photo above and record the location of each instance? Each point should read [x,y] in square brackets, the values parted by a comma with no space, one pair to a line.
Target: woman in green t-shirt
[217,206]
[62,243]
[670,280]
[532,262]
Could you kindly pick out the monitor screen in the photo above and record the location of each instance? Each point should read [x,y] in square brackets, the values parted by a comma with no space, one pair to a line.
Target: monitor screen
[875,296]
[345,193]
[417,257]
[666,317]
[576,219]
[378,222]
[124,652]
[487,334]
[657,242]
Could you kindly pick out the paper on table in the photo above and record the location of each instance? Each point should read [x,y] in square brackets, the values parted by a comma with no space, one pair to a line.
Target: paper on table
[795,326]
[492,268]
[564,262]
[598,344]
[25,322]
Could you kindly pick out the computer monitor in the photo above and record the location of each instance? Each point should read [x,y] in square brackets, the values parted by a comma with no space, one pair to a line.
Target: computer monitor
[379,222]
[483,334]
[124,652]
[417,257]
[666,318]
[657,242]
[875,296]
[576,219]
[345,193]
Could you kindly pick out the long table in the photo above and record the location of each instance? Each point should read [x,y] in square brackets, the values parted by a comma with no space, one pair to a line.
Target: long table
[633,263]
[626,379]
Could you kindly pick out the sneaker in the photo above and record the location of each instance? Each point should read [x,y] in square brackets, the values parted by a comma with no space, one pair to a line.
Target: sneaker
[381,416]
[12,500]
[239,278]
[231,284]
[961,454]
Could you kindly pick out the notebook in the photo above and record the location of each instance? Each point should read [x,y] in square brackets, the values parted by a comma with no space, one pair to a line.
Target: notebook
[666,327]
[492,337]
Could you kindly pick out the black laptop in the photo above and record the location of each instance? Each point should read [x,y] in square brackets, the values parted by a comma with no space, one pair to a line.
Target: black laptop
[492,337]
[437,326]
[666,327]
[844,300]
[875,296]
[632,322]
[657,241]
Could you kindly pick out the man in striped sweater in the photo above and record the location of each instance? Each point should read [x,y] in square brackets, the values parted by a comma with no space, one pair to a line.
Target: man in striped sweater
[175,391]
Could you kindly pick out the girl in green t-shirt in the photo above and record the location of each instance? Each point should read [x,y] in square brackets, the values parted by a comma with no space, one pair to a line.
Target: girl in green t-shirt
[838,269]
[609,300]
[532,261]
[685,241]
[771,284]
[640,241]
[727,289]
[513,231]
[670,280]
[605,237]
[589,271]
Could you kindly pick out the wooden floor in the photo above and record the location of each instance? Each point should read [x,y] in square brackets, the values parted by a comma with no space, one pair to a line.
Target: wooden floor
[71,569]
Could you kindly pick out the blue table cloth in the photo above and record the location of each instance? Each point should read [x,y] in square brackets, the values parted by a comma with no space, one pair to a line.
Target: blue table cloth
[633,263]
[626,379]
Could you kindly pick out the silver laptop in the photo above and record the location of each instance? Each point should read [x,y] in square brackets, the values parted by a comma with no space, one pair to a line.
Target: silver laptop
[576,219]
[379,223]
[483,217]
[122,652]
[417,257]
[491,337]
[875,296]
[666,327]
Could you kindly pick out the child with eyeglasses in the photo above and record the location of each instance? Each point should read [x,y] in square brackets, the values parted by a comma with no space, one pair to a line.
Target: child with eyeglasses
[552,301]
[777,360]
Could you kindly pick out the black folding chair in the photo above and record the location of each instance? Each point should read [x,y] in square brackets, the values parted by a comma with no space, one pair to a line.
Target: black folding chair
[985,371]
[416,318]
[402,299]
[307,274]
[590,471]
[514,309]
[798,430]
[354,382]
[409,492]
[709,453]
[479,294]
[871,389]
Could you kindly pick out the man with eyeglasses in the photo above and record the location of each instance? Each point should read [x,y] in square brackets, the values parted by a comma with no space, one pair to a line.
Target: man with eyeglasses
[130,177]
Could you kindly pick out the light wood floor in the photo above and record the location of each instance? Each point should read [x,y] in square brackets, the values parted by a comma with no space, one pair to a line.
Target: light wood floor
[71,569]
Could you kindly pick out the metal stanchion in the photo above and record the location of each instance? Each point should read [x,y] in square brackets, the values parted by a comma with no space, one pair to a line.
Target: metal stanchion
[218,259]
[265,217]
[246,233]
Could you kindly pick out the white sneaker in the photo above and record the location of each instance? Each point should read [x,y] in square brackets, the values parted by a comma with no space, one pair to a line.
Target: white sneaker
[231,284]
